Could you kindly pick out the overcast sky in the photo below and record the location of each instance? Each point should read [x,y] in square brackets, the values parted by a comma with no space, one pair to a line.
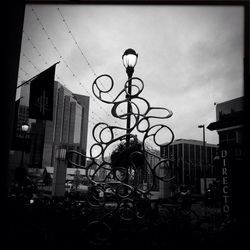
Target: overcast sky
[189,56]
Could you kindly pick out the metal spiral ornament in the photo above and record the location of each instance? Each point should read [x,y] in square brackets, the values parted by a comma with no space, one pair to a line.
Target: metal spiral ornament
[118,182]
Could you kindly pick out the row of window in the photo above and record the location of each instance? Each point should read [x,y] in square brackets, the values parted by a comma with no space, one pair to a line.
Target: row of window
[188,153]
[189,163]
[231,137]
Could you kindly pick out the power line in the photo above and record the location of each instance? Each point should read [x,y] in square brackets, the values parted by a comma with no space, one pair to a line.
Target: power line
[64,61]
[56,49]
[65,86]
[40,54]
[25,72]
[29,61]
[79,48]
[81,51]
[35,48]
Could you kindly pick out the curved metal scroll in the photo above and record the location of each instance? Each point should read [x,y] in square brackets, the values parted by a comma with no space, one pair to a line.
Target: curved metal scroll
[120,190]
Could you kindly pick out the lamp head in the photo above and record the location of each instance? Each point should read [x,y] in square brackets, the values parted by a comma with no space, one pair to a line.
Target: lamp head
[25,127]
[129,58]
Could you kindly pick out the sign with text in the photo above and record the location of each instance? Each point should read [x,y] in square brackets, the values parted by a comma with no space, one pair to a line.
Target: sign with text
[231,163]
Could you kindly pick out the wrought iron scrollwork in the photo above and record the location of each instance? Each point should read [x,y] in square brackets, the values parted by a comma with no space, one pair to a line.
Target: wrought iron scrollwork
[120,190]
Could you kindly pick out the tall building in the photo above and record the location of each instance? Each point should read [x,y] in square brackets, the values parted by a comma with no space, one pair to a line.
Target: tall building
[69,127]
[67,130]
[229,121]
[188,164]
[234,173]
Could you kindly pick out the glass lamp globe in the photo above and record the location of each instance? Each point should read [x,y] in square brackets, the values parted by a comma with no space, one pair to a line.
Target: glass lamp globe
[25,127]
[129,58]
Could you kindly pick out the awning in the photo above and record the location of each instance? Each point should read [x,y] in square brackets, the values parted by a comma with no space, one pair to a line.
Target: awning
[226,123]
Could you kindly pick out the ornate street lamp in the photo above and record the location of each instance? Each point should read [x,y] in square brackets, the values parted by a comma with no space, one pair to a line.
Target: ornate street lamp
[143,113]
[129,59]
[121,179]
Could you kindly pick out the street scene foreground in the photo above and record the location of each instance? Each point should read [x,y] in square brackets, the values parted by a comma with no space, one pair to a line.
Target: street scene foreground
[67,222]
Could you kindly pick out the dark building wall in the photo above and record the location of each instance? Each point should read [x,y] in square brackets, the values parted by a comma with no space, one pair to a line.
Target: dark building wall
[229,121]
[72,122]
[84,101]
[37,144]
[59,115]
[66,116]
[50,125]
[233,178]
[228,108]
[49,136]
[23,115]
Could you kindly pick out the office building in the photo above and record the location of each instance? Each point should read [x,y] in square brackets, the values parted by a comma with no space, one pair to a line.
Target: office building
[229,121]
[234,173]
[187,163]
[67,130]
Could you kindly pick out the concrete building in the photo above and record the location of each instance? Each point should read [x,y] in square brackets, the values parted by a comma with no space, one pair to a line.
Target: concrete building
[234,173]
[188,164]
[67,130]
[229,121]
[69,127]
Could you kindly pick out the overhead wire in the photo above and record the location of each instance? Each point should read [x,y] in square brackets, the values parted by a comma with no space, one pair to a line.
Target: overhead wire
[82,53]
[29,61]
[60,56]
[94,116]
[92,113]
[78,47]
[40,54]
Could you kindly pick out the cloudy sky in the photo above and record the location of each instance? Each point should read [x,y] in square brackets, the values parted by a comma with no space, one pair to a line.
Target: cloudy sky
[189,56]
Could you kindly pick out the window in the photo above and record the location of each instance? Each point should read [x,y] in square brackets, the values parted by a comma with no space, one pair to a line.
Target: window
[229,137]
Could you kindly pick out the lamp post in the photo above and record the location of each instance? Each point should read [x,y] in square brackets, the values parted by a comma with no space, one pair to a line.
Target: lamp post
[24,127]
[204,157]
[126,164]
[129,59]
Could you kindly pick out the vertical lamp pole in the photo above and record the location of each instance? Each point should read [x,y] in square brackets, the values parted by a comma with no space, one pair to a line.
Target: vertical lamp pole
[24,128]
[129,59]
[204,157]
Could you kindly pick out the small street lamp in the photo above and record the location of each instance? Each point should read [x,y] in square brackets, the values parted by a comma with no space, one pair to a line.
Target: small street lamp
[204,157]
[129,59]
[24,128]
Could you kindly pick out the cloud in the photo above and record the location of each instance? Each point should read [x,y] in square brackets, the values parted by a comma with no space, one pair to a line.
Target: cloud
[189,56]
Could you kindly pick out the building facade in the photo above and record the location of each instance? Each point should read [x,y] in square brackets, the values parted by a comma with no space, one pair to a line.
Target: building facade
[69,127]
[67,130]
[229,121]
[188,164]
[234,175]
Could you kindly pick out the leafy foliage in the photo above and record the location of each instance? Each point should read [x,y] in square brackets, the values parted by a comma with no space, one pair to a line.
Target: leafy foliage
[123,155]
